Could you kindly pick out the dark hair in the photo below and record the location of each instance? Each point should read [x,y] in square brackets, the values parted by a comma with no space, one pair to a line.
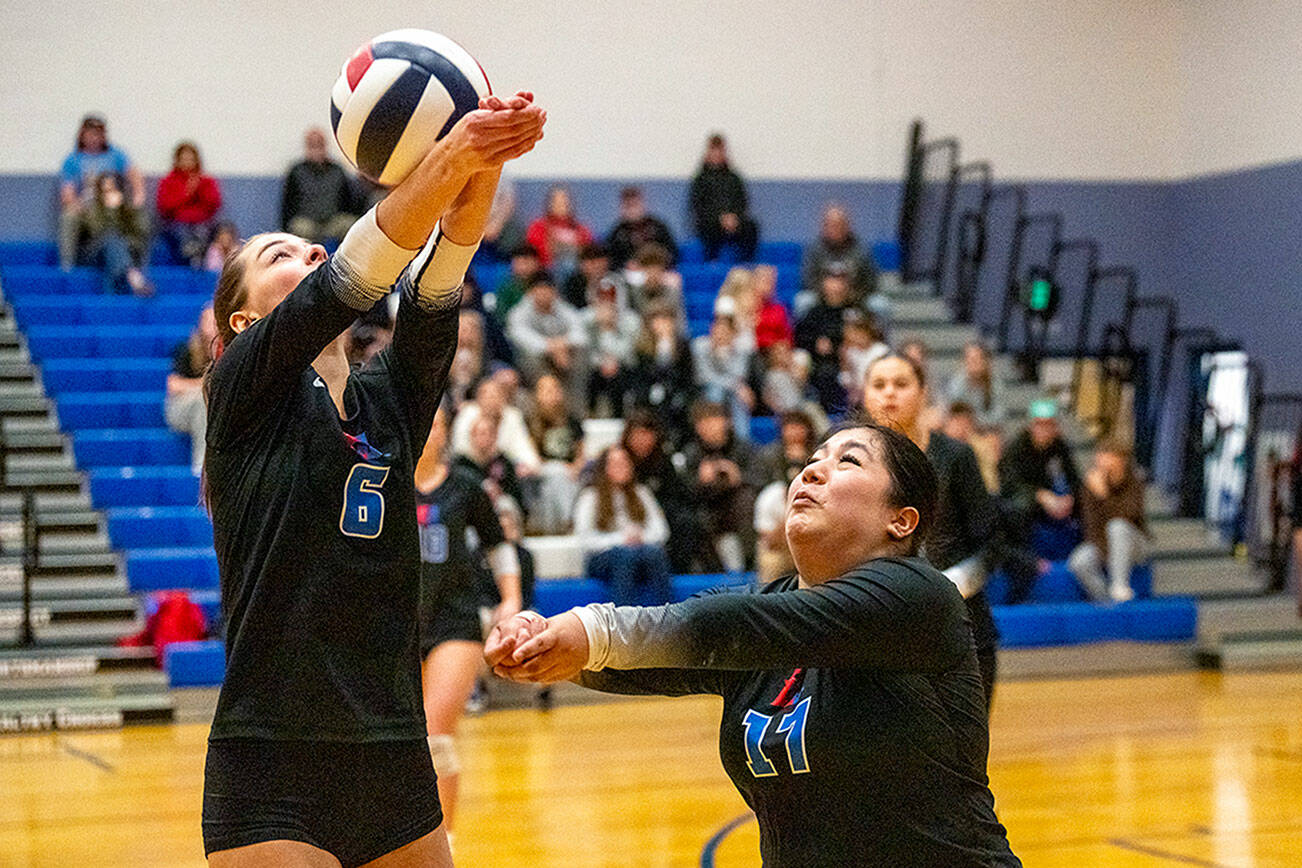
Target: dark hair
[796,417]
[230,295]
[192,148]
[703,409]
[913,479]
[542,276]
[652,253]
[961,408]
[894,354]
[593,250]
[630,192]
[525,249]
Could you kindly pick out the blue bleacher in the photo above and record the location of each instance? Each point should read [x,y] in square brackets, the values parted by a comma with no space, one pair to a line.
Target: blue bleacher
[143,486]
[159,526]
[130,447]
[160,569]
[111,410]
[109,310]
[119,341]
[105,375]
[28,253]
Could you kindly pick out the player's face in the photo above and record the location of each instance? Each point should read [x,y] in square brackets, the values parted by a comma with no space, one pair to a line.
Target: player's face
[892,394]
[275,263]
[838,508]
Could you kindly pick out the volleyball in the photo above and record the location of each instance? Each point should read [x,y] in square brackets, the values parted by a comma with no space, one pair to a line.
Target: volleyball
[399,94]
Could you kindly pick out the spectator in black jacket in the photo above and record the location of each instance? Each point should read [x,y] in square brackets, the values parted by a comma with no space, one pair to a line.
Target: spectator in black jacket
[319,200]
[721,473]
[1038,477]
[819,333]
[662,376]
[635,228]
[644,440]
[720,205]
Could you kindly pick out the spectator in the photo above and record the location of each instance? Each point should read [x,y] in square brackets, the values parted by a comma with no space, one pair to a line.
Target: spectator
[644,441]
[780,463]
[837,249]
[548,337]
[819,332]
[225,241]
[581,287]
[496,347]
[719,205]
[113,236]
[933,415]
[92,157]
[737,301]
[512,434]
[525,266]
[1038,478]
[653,284]
[184,406]
[772,323]
[662,378]
[512,519]
[503,233]
[485,459]
[722,369]
[622,532]
[862,343]
[782,460]
[612,333]
[636,229]
[720,467]
[786,384]
[558,437]
[319,201]
[961,424]
[188,202]
[1112,512]
[557,235]
[976,385]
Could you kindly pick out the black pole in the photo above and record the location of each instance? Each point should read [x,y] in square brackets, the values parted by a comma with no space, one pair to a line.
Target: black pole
[1012,287]
[909,197]
[31,552]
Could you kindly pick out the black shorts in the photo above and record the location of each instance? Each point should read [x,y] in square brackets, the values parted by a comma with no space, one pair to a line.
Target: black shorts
[447,615]
[355,801]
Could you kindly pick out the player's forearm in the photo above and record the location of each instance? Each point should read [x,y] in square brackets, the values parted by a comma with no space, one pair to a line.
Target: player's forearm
[408,214]
[465,221]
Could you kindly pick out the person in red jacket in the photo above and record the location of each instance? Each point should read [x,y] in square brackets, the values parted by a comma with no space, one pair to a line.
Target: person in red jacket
[771,322]
[188,202]
[557,235]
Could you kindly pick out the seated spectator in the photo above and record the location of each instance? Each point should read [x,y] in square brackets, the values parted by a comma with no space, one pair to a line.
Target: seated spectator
[837,249]
[819,333]
[225,241]
[862,343]
[636,229]
[779,464]
[961,424]
[933,415]
[558,437]
[720,468]
[720,206]
[786,383]
[722,370]
[496,347]
[114,237]
[1112,512]
[1038,478]
[503,233]
[977,386]
[525,266]
[662,378]
[509,428]
[771,320]
[188,202]
[92,157]
[594,273]
[557,235]
[184,407]
[318,201]
[738,302]
[644,441]
[652,284]
[622,532]
[483,457]
[612,333]
[782,460]
[548,337]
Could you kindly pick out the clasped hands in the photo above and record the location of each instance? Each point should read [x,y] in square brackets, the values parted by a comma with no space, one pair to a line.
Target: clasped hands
[530,648]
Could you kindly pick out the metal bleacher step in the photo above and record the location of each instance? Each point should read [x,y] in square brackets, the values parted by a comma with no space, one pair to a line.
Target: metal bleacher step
[61,611]
[65,587]
[1257,649]
[17,371]
[27,715]
[24,404]
[14,354]
[940,338]
[90,631]
[17,663]
[1221,576]
[1175,538]
[44,480]
[920,310]
[39,462]
[34,442]
[104,685]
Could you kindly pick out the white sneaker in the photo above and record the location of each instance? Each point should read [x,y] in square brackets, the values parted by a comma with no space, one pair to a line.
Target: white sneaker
[1121,594]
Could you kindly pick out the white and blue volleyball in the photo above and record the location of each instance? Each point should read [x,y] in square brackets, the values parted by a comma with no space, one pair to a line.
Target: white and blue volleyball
[398,95]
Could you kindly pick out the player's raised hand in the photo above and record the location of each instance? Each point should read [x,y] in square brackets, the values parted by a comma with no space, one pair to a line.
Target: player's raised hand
[509,634]
[558,653]
[500,130]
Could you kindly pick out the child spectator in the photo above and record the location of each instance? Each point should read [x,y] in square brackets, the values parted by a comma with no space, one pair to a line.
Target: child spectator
[188,202]
[114,237]
[721,473]
[636,228]
[558,437]
[722,368]
[557,235]
[622,532]
[720,205]
[184,407]
[1112,512]
[662,378]
[862,343]
[225,241]
[318,201]
[612,332]
[92,157]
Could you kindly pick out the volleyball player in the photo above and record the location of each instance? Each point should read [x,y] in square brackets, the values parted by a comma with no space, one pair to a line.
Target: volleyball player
[963,543]
[853,719]
[450,500]
[317,753]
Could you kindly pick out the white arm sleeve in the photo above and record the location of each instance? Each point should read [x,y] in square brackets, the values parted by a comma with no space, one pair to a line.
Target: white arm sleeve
[503,560]
[367,263]
[438,270]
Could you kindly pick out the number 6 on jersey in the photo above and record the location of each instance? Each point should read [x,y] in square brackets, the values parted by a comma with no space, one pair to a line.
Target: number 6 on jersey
[363,512]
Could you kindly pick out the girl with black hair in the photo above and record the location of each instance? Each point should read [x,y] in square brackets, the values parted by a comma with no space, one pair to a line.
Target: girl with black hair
[853,720]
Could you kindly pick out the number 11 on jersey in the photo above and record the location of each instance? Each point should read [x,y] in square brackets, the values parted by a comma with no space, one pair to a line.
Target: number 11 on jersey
[363,512]
[791,726]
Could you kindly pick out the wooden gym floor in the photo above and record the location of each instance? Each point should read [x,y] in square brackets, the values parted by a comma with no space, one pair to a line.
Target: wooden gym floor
[1167,770]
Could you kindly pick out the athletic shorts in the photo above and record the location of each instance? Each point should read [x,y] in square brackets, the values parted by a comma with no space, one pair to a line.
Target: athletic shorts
[355,801]
[447,614]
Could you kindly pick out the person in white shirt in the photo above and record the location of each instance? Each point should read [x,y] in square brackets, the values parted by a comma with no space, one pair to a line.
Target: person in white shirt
[549,337]
[622,532]
[513,438]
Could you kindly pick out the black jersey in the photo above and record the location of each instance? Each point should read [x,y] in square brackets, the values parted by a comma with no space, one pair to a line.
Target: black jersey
[445,515]
[874,753]
[314,519]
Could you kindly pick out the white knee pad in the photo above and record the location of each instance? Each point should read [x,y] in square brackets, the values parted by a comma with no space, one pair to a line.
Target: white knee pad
[443,751]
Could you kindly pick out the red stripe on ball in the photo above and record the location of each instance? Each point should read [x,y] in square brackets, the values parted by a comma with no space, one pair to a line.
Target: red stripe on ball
[358,64]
